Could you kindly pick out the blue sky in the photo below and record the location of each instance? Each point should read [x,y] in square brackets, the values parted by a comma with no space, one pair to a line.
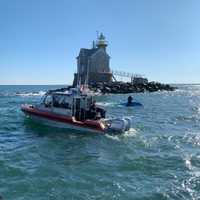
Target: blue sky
[40,39]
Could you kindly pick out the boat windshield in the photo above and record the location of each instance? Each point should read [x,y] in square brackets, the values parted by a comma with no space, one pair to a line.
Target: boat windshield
[61,101]
[47,100]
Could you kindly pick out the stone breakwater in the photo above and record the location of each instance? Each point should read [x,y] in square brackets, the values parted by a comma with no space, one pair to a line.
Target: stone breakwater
[124,88]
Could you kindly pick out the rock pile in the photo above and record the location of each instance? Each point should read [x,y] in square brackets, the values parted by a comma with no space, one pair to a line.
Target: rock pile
[124,88]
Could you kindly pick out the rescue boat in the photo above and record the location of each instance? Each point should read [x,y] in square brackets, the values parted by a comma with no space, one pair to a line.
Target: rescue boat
[74,109]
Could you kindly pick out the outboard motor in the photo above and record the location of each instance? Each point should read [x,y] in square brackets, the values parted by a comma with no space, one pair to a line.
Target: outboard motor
[128,123]
[119,125]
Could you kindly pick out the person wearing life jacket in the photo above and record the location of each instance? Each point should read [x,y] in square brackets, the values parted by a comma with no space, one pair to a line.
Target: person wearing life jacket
[96,112]
[92,110]
[129,100]
[93,106]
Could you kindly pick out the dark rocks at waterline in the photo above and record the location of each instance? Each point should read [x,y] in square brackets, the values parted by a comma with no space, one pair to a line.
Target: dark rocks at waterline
[124,88]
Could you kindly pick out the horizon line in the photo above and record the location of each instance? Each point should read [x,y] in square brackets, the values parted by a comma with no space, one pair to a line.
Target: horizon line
[71,84]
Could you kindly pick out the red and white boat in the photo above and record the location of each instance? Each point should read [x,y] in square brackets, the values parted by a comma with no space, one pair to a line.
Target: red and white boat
[74,109]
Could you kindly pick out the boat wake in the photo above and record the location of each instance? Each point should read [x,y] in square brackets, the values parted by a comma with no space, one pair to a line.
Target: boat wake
[130,133]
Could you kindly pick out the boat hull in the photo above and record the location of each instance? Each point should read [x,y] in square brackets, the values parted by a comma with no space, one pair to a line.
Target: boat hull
[61,125]
[58,121]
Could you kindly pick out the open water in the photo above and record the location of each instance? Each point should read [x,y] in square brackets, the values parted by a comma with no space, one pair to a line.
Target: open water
[158,159]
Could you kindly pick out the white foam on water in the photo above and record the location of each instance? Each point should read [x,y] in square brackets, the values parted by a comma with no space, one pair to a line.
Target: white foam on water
[106,104]
[113,137]
[188,163]
[131,133]
[179,91]
[27,94]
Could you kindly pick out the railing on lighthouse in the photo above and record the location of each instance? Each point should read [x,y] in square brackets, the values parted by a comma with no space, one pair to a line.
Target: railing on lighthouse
[124,74]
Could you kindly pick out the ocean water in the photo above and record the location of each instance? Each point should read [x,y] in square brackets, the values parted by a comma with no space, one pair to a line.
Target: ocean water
[159,158]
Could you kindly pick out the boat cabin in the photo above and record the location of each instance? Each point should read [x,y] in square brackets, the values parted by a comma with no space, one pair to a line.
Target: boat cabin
[73,104]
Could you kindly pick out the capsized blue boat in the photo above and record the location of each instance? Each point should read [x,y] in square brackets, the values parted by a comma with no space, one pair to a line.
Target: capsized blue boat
[132,104]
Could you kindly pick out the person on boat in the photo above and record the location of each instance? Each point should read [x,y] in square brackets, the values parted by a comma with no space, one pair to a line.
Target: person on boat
[129,100]
[93,106]
[92,110]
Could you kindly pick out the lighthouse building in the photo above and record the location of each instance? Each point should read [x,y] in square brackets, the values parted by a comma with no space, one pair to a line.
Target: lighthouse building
[93,64]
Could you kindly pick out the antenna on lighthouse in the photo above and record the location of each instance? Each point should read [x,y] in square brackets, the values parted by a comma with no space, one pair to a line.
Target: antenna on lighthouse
[97,34]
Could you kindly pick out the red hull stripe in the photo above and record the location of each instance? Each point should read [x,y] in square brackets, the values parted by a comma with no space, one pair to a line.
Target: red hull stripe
[60,118]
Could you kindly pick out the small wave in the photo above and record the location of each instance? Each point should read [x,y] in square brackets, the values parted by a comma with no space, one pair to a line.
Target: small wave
[113,137]
[6,94]
[193,118]
[179,91]
[106,104]
[27,94]
[111,104]
[188,162]
[193,139]
[22,94]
